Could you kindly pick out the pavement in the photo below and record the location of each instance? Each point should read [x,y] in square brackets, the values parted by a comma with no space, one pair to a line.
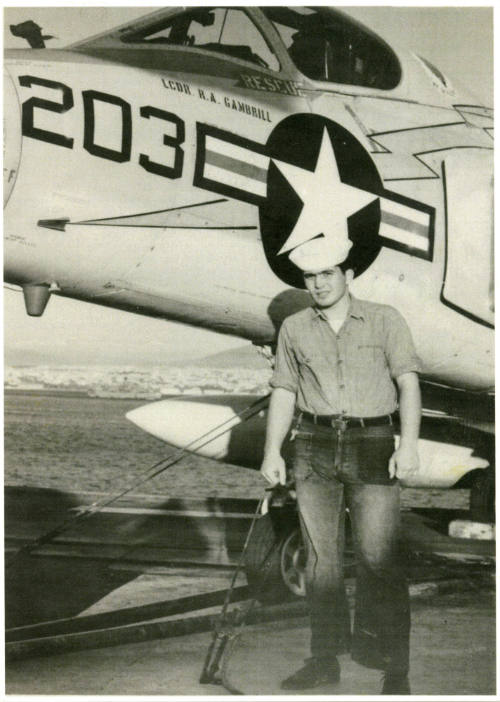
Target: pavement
[452,653]
[452,639]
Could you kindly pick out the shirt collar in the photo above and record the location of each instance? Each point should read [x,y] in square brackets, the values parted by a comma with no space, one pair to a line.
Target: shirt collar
[355,310]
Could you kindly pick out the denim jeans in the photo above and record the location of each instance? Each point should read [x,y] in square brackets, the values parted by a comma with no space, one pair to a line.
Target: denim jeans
[359,481]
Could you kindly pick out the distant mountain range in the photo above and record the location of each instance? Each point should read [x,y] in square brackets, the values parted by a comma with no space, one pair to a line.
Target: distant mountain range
[245,356]
[242,357]
[24,357]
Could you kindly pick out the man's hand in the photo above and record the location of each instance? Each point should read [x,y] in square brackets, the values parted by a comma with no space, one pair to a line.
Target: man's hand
[404,462]
[273,468]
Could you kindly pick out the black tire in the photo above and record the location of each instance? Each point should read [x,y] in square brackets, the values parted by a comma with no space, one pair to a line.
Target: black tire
[482,496]
[264,557]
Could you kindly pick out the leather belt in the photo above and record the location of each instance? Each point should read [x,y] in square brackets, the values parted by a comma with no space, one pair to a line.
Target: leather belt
[339,420]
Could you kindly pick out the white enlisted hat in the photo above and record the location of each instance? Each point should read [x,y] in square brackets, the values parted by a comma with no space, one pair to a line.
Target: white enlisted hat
[320,253]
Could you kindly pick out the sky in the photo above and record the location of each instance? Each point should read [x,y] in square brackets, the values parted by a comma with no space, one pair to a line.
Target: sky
[459,40]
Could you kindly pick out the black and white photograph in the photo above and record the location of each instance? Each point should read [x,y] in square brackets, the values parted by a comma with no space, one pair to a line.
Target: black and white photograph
[249,351]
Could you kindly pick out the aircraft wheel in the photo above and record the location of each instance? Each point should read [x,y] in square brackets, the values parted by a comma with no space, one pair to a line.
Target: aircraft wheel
[482,496]
[293,563]
[274,562]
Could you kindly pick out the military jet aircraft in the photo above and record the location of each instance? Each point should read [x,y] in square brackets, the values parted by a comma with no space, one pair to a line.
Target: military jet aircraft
[168,166]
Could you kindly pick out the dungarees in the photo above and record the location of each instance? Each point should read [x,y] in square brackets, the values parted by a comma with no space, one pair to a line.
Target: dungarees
[359,481]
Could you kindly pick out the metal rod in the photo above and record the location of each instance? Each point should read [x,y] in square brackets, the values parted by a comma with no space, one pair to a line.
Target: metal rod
[122,617]
[103,638]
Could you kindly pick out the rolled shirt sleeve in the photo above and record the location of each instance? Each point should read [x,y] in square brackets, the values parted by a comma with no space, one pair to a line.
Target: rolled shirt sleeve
[400,349]
[286,372]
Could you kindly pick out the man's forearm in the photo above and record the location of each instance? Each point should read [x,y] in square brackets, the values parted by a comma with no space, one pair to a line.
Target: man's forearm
[279,419]
[404,461]
[410,408]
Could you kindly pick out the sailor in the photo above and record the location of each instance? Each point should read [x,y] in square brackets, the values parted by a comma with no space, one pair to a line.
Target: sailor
[340,366]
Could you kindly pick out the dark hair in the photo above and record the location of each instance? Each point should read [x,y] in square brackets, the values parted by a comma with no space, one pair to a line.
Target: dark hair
[346,266]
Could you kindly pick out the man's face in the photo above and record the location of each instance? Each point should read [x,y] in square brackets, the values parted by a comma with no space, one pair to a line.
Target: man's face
[327,287]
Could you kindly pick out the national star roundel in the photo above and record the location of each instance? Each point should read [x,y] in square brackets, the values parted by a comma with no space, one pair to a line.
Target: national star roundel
[297,140]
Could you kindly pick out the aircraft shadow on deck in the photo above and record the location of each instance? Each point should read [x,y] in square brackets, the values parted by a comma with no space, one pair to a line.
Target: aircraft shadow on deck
[74,570]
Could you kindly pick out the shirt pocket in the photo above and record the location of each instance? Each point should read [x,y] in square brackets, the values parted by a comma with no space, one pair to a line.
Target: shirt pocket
[369,356]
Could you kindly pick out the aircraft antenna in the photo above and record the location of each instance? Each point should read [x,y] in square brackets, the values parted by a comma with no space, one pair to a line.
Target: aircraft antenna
[222,27]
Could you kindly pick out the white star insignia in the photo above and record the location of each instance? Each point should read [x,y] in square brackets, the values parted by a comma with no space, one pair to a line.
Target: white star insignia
[328,202]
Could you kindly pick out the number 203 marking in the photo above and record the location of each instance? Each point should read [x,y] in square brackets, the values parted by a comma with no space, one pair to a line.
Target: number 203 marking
[90,98]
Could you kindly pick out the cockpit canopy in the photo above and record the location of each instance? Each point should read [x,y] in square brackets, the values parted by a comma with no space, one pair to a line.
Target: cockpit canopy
[225,30]
[324,45]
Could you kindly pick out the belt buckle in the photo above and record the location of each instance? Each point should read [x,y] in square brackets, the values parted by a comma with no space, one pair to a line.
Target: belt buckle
[339,423]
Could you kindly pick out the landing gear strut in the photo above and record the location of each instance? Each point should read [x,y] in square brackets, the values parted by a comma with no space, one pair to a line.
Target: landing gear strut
[482,496]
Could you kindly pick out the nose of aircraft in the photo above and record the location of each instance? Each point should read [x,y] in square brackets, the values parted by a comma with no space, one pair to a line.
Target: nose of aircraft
[11,136]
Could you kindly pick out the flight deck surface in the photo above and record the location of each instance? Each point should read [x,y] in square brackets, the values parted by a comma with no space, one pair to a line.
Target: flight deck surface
[452,652]
[146,625]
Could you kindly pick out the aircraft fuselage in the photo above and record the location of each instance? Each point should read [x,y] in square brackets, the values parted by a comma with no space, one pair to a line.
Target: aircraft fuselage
[146,180]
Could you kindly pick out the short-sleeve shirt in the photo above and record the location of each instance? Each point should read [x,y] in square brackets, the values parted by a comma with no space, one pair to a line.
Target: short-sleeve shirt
[351,372]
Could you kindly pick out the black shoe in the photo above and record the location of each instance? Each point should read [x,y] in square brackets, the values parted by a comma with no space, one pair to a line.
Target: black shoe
[396,684]
[317,671]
